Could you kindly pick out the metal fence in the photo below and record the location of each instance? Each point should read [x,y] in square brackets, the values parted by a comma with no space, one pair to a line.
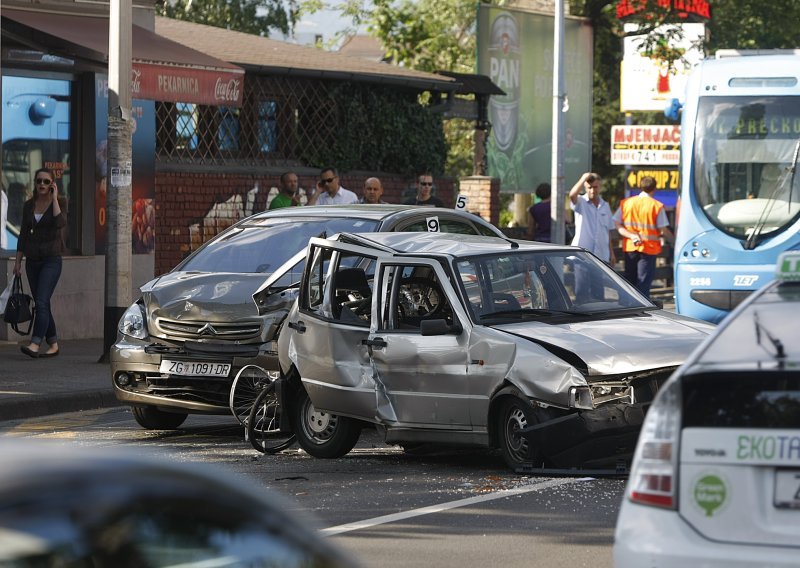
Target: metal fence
[296,122]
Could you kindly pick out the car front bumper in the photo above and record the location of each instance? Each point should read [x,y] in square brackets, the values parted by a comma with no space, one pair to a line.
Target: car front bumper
[590,439]
[137,380]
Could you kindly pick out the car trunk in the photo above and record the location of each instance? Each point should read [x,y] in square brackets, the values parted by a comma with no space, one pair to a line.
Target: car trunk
[739,476]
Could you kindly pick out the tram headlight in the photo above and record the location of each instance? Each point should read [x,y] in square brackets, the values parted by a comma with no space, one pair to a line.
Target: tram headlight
[695,253]
[705,253]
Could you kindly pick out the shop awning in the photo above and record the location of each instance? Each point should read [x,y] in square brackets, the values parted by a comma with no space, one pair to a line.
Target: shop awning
[162,70]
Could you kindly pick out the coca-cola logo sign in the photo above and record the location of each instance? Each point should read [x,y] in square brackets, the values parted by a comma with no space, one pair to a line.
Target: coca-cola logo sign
[227,91]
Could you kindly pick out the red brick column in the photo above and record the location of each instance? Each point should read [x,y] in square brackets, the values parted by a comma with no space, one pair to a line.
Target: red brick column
[483,196]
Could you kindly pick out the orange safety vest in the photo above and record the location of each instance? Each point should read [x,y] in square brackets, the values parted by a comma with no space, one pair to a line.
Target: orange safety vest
[639,215]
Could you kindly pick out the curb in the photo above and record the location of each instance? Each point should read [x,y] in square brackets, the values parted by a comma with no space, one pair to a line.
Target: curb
[49,404]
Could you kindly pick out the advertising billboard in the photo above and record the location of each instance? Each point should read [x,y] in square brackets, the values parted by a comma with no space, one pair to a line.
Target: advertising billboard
[515,49]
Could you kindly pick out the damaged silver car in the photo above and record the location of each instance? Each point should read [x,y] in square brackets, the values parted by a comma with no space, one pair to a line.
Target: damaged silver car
[540,350]
[180,346]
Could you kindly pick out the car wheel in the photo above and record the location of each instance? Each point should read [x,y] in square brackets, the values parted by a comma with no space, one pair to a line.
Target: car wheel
[516,414]
[322,434]
[152,418]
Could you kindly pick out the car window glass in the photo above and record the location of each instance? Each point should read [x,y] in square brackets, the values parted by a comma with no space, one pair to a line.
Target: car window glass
[543,282]
[352,289]
[415,294]
[266,246]
[313,292]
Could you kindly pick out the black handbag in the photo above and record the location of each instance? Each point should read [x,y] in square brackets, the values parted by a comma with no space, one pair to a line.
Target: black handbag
[19,308]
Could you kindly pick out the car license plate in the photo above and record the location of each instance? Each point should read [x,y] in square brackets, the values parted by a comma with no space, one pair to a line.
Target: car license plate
[195,368]
[787,489]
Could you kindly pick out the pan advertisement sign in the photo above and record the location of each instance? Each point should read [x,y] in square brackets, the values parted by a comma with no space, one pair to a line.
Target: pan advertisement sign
[515,49]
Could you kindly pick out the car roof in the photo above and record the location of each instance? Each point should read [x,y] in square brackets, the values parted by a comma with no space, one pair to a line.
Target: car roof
[381,213]
[452,244]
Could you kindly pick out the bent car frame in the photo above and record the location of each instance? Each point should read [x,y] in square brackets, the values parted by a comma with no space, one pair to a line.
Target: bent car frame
[540,350]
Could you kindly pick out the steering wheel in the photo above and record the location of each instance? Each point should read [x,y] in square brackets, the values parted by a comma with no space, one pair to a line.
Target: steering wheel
[420,297]
[505,301]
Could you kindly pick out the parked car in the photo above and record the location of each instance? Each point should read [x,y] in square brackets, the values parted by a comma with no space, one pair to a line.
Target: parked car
[63,505]
[181,344]
[716,475]
[540,350]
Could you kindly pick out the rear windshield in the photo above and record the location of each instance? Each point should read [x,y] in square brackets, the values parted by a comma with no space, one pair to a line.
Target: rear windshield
[265,247]
[743,399]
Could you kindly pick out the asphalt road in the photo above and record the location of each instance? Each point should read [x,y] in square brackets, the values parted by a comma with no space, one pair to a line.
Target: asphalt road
[453,508]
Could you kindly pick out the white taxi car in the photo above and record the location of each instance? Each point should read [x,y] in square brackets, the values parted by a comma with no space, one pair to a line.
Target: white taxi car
[716,474]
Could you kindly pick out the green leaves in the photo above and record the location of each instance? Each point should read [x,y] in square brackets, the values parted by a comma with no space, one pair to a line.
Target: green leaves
[249,16]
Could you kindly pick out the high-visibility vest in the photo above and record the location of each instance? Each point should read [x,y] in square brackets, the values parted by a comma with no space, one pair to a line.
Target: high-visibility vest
[639,215]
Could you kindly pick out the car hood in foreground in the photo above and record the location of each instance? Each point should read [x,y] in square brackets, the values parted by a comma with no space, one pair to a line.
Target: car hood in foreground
[621,345]
[217,296]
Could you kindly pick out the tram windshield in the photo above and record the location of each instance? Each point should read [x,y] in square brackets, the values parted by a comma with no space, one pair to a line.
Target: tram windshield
[745,152]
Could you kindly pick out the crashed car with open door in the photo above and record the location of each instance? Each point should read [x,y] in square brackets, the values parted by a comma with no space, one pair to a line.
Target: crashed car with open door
[540,350]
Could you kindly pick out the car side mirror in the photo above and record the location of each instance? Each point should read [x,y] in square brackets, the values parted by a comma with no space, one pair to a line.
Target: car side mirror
[439,327]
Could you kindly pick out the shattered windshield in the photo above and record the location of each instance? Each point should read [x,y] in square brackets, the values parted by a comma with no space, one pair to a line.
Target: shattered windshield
[266,246]
[531,285]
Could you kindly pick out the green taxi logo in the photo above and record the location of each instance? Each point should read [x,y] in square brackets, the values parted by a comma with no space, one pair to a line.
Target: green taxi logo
[710,493]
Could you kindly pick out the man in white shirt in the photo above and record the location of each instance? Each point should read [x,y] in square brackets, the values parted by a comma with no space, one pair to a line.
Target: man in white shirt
[593,223]
[329,192]
[593,218]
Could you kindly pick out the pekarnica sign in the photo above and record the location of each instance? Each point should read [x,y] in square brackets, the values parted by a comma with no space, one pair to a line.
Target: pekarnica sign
[683,9]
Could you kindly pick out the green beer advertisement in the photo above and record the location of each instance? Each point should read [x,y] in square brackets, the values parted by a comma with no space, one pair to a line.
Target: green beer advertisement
[516,50]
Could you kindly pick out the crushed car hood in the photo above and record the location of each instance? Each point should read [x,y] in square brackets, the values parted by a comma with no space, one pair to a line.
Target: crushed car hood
[214,296]
[620,345]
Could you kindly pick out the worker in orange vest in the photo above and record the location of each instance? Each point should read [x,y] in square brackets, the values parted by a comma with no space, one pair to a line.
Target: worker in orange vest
[642,222]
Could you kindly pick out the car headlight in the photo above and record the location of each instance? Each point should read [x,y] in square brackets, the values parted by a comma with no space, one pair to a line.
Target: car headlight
[133,323]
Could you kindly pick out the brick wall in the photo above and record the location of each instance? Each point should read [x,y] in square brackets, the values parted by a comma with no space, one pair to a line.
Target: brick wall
[193,207]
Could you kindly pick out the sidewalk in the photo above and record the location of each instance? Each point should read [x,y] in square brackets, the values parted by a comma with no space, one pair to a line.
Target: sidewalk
[71,382]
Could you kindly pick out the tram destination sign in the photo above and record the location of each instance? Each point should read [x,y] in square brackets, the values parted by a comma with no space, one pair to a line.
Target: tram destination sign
[645,145]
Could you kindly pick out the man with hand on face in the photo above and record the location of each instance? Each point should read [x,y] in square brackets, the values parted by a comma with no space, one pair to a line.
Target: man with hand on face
[288,196]
[424,197]
[329,192]
[373,191]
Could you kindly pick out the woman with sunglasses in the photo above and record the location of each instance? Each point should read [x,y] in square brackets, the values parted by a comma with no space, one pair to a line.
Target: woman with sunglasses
[41,242]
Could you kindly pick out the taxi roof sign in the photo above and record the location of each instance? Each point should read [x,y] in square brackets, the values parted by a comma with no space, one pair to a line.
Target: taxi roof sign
[787,268]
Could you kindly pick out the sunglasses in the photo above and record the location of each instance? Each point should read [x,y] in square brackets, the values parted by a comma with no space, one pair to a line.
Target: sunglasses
[328,180]
[426,183]
[43,181]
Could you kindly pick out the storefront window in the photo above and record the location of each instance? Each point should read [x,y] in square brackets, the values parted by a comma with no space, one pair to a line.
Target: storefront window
[36,133]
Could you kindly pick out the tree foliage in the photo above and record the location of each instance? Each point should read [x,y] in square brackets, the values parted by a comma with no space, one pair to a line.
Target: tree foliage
[249,16]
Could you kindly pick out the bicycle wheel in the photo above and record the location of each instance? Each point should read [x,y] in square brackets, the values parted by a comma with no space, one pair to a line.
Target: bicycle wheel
[249,382]
[263,424]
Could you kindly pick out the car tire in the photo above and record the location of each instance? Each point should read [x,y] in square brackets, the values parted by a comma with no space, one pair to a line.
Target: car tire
[322,434]
[514,415]
[152,418]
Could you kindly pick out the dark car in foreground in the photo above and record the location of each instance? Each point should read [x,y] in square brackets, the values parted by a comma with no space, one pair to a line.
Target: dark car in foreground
[68,506]
[181,344]
[540,350]
[715,480]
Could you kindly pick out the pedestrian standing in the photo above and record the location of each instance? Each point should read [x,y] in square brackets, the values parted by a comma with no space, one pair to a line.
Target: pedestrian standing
[288,195]
[373,191]
[642,222]
[329,192]
[593,224]
[42,244]
[424,193]
[539,219]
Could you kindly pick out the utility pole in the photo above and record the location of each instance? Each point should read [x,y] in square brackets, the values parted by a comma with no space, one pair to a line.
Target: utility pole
[560,106]
[118,252]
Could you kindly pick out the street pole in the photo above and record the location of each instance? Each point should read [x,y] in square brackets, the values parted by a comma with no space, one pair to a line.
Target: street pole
[557,228]
[118,252]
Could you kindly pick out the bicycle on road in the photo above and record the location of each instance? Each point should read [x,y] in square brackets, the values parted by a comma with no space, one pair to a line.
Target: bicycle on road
[254,403]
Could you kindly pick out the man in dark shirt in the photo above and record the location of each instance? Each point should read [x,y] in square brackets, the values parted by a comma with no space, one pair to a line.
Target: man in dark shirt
[424,197]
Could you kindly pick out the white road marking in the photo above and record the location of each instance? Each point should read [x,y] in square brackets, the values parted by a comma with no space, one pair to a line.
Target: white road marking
[349,527]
